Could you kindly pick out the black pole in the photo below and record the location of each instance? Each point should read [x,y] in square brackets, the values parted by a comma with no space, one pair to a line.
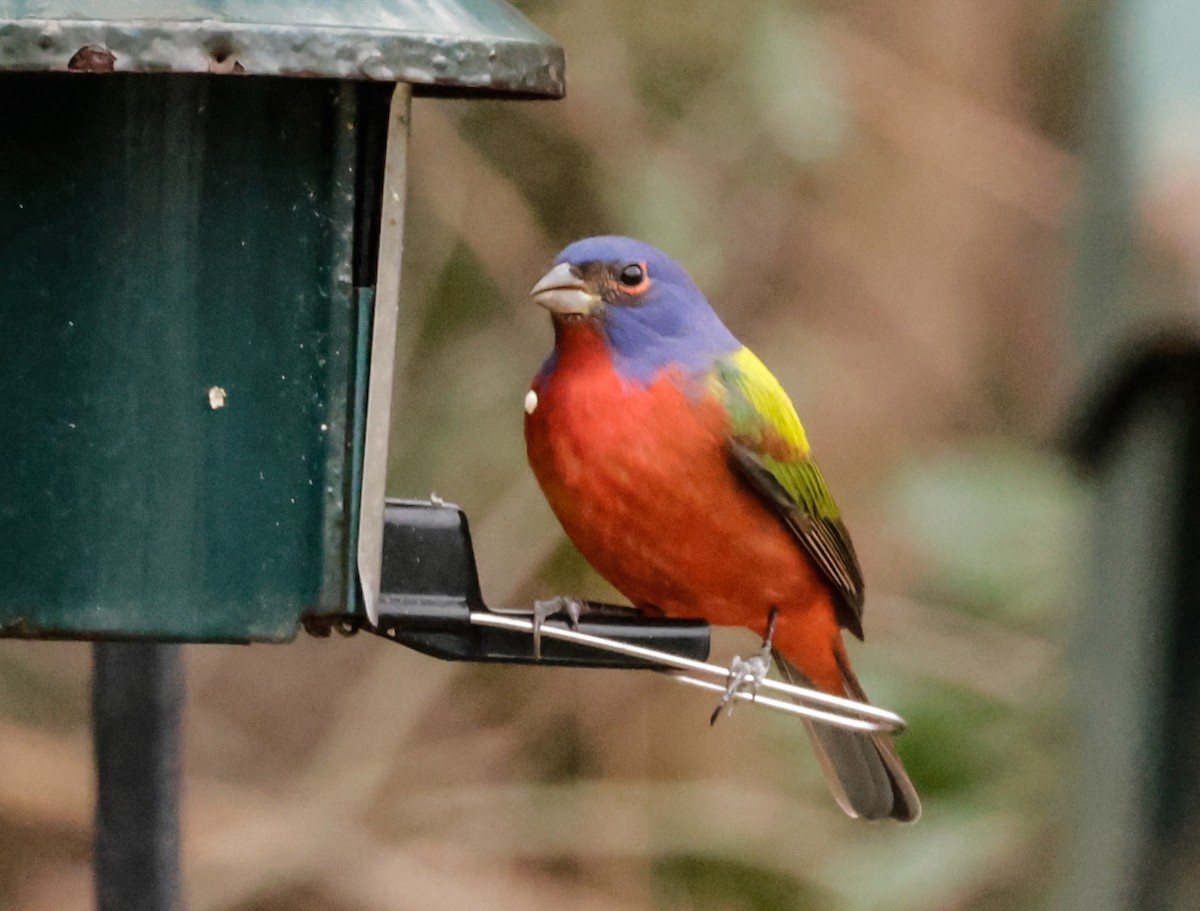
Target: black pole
[137,704]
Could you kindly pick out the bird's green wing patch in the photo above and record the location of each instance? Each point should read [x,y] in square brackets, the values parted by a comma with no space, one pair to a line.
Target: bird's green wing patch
[769,448]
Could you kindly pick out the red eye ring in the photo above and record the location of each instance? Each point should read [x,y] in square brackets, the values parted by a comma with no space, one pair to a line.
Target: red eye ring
[634,278]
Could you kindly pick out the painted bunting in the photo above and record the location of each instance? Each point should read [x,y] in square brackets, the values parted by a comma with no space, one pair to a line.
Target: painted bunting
[677,465]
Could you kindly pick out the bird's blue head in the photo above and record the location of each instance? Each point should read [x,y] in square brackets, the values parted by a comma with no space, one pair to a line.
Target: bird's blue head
[651,313]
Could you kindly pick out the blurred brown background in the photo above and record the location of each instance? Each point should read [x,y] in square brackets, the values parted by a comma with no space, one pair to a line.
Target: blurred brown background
[878,196]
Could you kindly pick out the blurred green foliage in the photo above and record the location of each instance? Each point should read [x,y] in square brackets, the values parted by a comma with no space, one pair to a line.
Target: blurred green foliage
[706,882]
[997,528]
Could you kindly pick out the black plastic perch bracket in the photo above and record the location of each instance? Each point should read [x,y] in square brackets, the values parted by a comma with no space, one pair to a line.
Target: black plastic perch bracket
[430,589]
[430,601]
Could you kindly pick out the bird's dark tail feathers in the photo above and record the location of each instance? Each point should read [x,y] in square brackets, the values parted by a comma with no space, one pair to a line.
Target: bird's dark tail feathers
[863,771]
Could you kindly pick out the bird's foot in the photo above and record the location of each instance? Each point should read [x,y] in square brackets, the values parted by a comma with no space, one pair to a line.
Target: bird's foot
[745,674]
[544,610]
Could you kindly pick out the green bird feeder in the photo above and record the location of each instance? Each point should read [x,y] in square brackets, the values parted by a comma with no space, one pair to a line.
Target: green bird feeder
[201,207]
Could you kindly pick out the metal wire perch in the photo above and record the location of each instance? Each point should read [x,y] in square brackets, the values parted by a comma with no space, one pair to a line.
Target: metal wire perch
[848,714]
[430,600]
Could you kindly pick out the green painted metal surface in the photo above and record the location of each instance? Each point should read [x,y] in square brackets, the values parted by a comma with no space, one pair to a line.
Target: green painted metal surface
[185,281]
[165,237]
[456,46]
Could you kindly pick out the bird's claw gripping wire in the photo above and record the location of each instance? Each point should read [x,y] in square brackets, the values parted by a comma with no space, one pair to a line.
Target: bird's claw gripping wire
[745,674]
[543,610]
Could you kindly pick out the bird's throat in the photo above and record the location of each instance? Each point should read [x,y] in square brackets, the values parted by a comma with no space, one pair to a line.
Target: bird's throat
[580,339]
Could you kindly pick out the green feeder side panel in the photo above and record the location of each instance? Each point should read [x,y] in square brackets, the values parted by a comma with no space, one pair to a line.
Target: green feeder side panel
[176,345]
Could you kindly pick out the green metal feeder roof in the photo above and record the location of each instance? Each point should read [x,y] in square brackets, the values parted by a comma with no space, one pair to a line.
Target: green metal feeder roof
[450,46]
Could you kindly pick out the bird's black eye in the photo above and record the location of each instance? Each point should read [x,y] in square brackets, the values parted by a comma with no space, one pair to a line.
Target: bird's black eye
[632,275]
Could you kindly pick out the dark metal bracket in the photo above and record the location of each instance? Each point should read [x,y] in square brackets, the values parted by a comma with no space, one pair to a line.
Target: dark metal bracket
[430,589]
[430,600]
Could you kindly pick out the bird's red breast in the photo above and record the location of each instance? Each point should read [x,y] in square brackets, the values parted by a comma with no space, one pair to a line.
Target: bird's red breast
[639,478]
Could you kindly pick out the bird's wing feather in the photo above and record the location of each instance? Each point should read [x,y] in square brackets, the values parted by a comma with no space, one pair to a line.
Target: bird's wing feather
[768,446]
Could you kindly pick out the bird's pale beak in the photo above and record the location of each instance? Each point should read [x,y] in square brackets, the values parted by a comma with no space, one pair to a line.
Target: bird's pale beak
[562,291]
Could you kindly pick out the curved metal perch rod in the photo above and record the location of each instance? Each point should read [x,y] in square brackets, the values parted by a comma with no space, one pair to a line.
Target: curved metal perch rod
[808,703]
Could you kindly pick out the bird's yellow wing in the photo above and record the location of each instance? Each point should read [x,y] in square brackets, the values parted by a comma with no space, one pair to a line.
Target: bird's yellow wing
[769,448]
